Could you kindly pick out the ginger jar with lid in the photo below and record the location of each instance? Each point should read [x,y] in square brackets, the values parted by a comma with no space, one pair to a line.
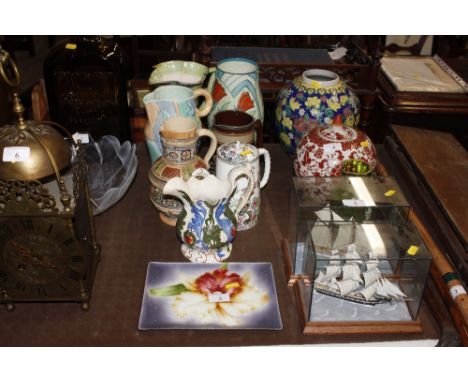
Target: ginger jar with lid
[335,150]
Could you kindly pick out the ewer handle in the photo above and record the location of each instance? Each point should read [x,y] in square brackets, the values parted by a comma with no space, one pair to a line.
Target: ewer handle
[237,172]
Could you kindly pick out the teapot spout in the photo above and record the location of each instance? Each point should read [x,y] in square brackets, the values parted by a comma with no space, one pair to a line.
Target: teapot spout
[178,188]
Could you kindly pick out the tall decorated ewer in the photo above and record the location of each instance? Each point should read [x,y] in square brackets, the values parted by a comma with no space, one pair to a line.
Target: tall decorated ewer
[48,251]
[179,137]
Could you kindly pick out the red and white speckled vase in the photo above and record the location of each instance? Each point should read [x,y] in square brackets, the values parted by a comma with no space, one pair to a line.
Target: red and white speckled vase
[335,150]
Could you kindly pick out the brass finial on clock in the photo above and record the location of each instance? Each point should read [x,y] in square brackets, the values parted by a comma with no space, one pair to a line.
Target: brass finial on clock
[29,150]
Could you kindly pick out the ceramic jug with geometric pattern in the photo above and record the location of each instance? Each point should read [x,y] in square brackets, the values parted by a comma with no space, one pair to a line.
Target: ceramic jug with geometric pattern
[235,86]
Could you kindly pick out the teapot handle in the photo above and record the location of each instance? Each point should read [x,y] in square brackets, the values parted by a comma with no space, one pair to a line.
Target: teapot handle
[266,171]
[213,144]
[208,104]
[235,173]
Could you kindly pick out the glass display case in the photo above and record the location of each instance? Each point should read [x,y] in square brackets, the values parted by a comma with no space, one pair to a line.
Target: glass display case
[358,199]
[367,276]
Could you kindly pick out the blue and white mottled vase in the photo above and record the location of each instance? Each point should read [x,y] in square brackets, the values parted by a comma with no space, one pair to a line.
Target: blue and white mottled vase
[167,102]
[311,100]
[235,86]
[207,225]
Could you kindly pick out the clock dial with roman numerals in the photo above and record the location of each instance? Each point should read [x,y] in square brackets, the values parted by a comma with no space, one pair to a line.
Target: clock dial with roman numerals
[40,258]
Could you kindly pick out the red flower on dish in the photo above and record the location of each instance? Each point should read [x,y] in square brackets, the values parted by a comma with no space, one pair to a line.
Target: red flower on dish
[219,281]
[218,91]
[245,102]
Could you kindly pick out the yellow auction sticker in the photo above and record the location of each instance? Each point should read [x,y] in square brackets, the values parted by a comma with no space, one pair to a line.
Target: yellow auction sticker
[390,193]
[412,250]
[70,46]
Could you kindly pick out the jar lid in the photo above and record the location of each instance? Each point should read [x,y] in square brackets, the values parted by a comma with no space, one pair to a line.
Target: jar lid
[237,153]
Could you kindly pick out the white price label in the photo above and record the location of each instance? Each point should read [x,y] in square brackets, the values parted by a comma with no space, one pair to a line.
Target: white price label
[83,137]
[357,203]
[457,290]
[219,297]
[16,154]
[330,148]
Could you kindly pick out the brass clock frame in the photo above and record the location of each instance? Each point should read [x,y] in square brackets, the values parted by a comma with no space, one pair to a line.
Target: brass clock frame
[48,253]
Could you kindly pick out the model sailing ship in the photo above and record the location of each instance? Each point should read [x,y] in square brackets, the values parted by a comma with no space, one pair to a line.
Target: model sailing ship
[349,277]
[356,280]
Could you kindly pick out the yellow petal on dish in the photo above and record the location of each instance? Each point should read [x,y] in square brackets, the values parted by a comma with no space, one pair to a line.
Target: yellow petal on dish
[246,278]
[190,304]
[248,300]
[237,309]
[223,317]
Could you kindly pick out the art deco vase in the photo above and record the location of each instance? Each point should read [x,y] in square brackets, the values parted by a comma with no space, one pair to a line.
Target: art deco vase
[235,86]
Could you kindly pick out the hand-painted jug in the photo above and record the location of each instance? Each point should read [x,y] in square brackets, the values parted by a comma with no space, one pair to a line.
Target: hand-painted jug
[207,225]
[235,86]
[171,101]
[234,154]
[179,137]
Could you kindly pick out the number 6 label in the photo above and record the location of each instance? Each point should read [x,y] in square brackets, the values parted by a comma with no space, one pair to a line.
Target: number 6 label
[16,154]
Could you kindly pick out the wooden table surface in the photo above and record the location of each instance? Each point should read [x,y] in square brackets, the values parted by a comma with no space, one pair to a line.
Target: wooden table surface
[132,235]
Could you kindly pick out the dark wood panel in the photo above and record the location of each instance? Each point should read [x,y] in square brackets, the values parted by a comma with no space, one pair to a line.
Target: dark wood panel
[443,164]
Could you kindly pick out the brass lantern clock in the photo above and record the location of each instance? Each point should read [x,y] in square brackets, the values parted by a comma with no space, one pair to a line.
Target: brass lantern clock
[48,250]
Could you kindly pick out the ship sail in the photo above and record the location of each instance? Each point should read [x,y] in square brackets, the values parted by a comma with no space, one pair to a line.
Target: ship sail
[347,286]
[370,277]
[351,272]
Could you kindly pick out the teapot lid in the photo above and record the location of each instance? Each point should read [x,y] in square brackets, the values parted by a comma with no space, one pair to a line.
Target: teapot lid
[237,153]
[337,132]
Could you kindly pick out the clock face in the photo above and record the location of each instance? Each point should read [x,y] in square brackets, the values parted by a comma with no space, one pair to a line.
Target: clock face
[39,258]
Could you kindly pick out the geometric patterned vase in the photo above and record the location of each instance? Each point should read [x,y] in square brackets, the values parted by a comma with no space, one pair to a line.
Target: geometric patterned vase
[235,86]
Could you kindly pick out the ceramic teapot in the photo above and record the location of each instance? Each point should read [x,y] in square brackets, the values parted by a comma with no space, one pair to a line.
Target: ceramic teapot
[171,101]
[234,154]
[207,225]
